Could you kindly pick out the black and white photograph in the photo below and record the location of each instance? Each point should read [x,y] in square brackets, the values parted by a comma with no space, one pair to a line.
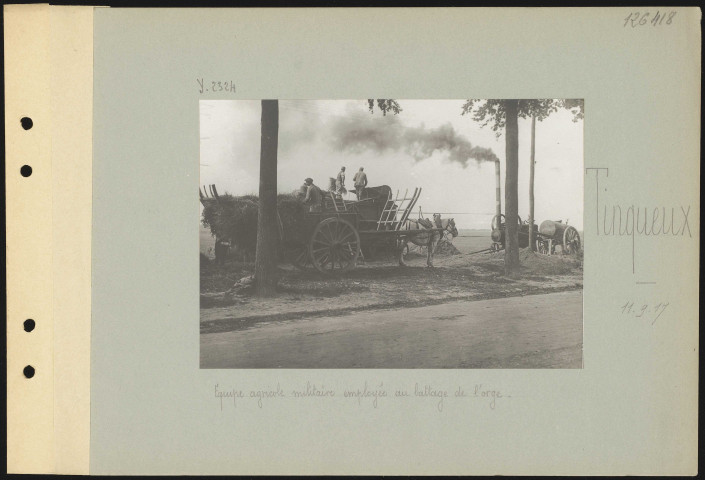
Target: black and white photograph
[391,234]
[432,241]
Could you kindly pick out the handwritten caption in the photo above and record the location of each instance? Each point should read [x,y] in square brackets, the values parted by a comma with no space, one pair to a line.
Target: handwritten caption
[640,19]
[635,221]
[644,310]
[373,395]
[206,86]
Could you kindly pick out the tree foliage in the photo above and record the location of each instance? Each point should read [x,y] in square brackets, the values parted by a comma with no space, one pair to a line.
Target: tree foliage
[492,112]
[384,105]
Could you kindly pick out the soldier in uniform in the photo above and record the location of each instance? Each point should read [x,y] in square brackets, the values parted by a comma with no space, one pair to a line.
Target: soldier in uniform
[314,196]
[340,182]
[360,180]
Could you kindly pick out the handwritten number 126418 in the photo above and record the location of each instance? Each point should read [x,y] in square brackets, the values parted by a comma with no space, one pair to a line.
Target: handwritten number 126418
[639,19]
[216,86]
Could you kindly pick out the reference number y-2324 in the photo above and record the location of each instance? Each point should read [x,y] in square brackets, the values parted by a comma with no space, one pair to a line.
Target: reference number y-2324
[205,86]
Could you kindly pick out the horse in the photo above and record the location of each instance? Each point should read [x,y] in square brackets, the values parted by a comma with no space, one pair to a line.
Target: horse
[426,239]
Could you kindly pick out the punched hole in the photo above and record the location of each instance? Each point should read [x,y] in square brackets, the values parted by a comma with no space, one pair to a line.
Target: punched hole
[28,371]
[29,325]
[26,170]
[26,122]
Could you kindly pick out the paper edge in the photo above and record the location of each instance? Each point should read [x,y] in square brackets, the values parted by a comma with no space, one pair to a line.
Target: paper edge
[49,77]
[30,415]
[71,63]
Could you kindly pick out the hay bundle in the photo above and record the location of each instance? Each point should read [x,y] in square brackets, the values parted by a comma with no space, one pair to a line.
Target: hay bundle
[292,214]
[548,264]
[232,218]
[446,247]
[235,219]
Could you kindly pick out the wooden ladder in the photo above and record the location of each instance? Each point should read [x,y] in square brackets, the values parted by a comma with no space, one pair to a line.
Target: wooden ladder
[396,212]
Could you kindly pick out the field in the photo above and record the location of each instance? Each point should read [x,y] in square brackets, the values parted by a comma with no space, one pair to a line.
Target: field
[227,300]
[467,241]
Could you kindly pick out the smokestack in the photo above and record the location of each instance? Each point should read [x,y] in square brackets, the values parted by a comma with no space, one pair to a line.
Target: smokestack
[498,191]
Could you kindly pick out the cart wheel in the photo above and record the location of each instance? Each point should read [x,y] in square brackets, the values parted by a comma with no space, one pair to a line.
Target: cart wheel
[335,244]
[297,254]
[571,241]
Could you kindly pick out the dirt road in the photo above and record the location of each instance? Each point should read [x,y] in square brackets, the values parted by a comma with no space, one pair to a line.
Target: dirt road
[537,331]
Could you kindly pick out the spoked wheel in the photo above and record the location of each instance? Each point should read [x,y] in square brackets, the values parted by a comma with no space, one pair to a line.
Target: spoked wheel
[297,254]
[498,220]
[571,241]
[335,245]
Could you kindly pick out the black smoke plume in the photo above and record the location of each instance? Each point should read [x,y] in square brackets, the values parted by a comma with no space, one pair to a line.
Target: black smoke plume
[379,134]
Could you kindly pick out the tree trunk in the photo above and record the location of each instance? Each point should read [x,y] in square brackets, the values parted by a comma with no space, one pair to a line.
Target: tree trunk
[532,236]
[511,254]
[267,228]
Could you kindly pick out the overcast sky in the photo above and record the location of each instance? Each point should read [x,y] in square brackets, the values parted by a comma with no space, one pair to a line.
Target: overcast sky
[428,145]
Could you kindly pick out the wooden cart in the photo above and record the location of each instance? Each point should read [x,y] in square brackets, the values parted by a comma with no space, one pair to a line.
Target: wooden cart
[334,238]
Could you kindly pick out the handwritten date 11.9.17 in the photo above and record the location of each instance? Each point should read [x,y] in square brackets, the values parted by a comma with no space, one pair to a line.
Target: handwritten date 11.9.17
[644,310]
[205,86]
[640,19]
